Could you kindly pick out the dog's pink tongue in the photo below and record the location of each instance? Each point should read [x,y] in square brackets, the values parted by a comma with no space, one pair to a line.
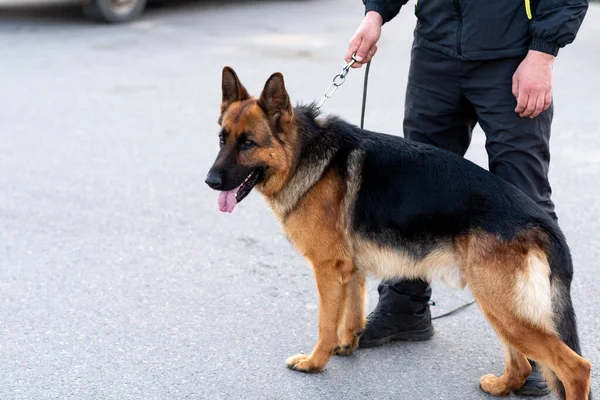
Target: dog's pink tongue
[227,201]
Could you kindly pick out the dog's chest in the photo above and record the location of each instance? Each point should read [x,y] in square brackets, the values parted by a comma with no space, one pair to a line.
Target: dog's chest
[315,235]
[314,222]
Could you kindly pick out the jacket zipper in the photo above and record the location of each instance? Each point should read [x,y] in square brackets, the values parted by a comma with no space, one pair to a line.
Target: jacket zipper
[459,31]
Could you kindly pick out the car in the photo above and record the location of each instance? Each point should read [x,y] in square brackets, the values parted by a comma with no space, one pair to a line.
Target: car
[113,11]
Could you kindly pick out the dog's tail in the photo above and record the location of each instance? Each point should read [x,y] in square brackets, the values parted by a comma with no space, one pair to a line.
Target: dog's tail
[561,268]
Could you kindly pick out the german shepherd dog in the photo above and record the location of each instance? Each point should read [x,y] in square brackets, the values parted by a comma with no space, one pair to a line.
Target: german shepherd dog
[355,202]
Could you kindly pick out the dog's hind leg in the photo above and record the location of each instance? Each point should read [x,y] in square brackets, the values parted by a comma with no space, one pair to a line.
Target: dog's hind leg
[332,279]
[526,340]
[353,323]
[512,286]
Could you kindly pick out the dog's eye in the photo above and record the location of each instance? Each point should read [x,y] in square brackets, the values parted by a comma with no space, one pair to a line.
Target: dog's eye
[247,144]
[221,139]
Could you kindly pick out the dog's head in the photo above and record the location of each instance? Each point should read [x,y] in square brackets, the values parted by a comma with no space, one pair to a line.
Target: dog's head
[255,140]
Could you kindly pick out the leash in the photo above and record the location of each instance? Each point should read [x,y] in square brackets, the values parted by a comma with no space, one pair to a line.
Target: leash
[364,99]
[452,311]
[338,81]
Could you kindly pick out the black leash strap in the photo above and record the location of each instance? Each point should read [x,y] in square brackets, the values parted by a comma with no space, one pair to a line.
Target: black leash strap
[453,311]
[364,100]
[362,125]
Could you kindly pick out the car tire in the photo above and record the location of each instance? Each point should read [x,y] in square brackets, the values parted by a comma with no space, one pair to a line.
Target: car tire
[113,11]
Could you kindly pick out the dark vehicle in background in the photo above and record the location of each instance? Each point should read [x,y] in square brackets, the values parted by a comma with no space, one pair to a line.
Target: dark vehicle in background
[113,11]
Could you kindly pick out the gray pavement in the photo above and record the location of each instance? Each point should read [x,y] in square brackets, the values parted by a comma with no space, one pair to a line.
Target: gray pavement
[119,277]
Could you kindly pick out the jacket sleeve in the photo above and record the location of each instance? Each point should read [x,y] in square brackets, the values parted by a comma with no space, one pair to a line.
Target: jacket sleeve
[388,9]
[556,23]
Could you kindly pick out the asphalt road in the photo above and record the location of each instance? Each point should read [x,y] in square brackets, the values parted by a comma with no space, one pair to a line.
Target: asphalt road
[119,277]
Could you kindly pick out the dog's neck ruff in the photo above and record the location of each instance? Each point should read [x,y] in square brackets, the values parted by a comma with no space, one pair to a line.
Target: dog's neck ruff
[307,173]
[315,155]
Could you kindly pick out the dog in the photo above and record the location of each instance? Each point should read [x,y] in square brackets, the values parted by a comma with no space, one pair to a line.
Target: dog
[355,202]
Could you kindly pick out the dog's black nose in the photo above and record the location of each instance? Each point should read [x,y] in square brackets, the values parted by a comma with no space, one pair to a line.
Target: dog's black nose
[214,180]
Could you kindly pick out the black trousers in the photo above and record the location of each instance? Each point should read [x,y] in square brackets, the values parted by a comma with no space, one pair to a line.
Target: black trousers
[445,99]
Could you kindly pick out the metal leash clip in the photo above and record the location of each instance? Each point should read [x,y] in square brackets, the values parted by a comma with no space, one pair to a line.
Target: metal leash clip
[338,81]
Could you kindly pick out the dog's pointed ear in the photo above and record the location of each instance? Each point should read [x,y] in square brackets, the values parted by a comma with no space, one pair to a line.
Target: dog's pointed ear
[232,88]
[274,98]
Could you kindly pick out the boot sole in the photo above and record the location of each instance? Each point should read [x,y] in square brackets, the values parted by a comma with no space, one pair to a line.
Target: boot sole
[411,336]
[531,392]
[535,385]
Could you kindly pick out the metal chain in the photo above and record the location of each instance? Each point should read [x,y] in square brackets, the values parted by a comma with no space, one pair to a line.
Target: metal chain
[338,81]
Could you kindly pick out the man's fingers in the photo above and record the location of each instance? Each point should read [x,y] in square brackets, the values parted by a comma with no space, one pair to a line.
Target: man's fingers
[530,108]
[363,52]
[547,100]
[368,58]
[363,49]
[515,86]
[522,99]
[539,106]
[372,52]
[352,47]
[370,55]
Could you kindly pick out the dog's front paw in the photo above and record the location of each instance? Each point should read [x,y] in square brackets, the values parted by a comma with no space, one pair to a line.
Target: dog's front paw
[303,363]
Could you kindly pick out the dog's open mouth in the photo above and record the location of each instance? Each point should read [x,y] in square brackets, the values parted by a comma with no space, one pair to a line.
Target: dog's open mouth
[229,199]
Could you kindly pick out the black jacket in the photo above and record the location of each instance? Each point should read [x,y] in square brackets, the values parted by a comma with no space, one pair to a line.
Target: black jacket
[490,29]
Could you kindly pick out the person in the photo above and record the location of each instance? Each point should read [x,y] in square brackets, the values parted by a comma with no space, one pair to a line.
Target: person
[473,61]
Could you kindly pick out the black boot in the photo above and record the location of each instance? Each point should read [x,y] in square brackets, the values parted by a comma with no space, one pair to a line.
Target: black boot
[535,385]
[402,313]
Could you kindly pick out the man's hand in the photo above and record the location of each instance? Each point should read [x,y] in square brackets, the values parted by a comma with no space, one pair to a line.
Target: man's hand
[532,84]
[364,41]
